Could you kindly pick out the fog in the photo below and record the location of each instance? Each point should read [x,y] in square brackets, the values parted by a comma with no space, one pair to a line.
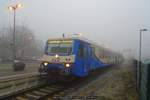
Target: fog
[112,23]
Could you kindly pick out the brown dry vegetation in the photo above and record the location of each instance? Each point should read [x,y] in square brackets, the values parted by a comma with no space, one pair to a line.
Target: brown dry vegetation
[117,84]
[121,86]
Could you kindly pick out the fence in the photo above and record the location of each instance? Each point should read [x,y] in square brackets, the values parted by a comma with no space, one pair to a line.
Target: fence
[143,79]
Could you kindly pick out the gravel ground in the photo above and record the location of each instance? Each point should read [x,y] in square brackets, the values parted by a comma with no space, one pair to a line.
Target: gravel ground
[6,69]
[117,84]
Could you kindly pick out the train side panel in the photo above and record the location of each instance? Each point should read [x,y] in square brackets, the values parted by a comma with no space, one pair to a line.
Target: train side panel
[106,56]
[97,61]
[86,60]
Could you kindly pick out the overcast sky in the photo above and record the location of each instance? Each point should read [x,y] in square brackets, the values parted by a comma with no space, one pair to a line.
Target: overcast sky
[113,23]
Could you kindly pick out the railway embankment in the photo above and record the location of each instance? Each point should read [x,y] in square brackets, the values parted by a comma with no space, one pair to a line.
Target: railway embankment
[6,69]
[117,84]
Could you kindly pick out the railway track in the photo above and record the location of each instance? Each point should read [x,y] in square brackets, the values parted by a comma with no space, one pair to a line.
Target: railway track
[52,91]
[55,90]
[14,84]
[41,93]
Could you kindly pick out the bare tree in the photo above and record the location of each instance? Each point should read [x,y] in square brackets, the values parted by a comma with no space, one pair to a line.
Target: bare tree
[26,43]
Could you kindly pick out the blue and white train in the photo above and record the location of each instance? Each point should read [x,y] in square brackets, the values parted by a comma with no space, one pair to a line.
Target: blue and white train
[75,57]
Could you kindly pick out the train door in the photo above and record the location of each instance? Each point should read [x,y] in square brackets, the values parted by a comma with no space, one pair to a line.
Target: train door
[80,61]
[87,58]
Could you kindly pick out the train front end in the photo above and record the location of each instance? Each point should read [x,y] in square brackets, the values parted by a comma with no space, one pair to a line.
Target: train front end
[58,59]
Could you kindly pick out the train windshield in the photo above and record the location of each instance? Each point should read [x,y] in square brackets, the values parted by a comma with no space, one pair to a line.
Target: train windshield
[60,47]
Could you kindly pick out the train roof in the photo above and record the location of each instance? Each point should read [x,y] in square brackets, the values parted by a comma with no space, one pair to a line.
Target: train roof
[79,38]
[75,38]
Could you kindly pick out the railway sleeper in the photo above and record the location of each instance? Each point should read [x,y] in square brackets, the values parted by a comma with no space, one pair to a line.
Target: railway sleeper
[32,96]
[46,91]
[40,93]
[21,98]
[52,88]
[62,93]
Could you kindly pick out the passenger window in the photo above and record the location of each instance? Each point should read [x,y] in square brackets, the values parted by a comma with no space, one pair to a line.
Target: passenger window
[93,51]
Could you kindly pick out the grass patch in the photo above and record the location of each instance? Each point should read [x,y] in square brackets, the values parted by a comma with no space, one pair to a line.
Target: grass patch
[5,66]
[120,85]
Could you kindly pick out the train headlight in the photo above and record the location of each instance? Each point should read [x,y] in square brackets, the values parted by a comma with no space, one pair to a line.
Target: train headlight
[45,64]
[56,56]
[67,65]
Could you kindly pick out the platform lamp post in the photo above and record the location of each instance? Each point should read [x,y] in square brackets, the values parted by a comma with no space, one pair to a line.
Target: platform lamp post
[14,8]
[140,62]
[140,45]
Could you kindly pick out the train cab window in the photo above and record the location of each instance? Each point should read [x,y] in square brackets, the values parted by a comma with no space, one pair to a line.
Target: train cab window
[81,51]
